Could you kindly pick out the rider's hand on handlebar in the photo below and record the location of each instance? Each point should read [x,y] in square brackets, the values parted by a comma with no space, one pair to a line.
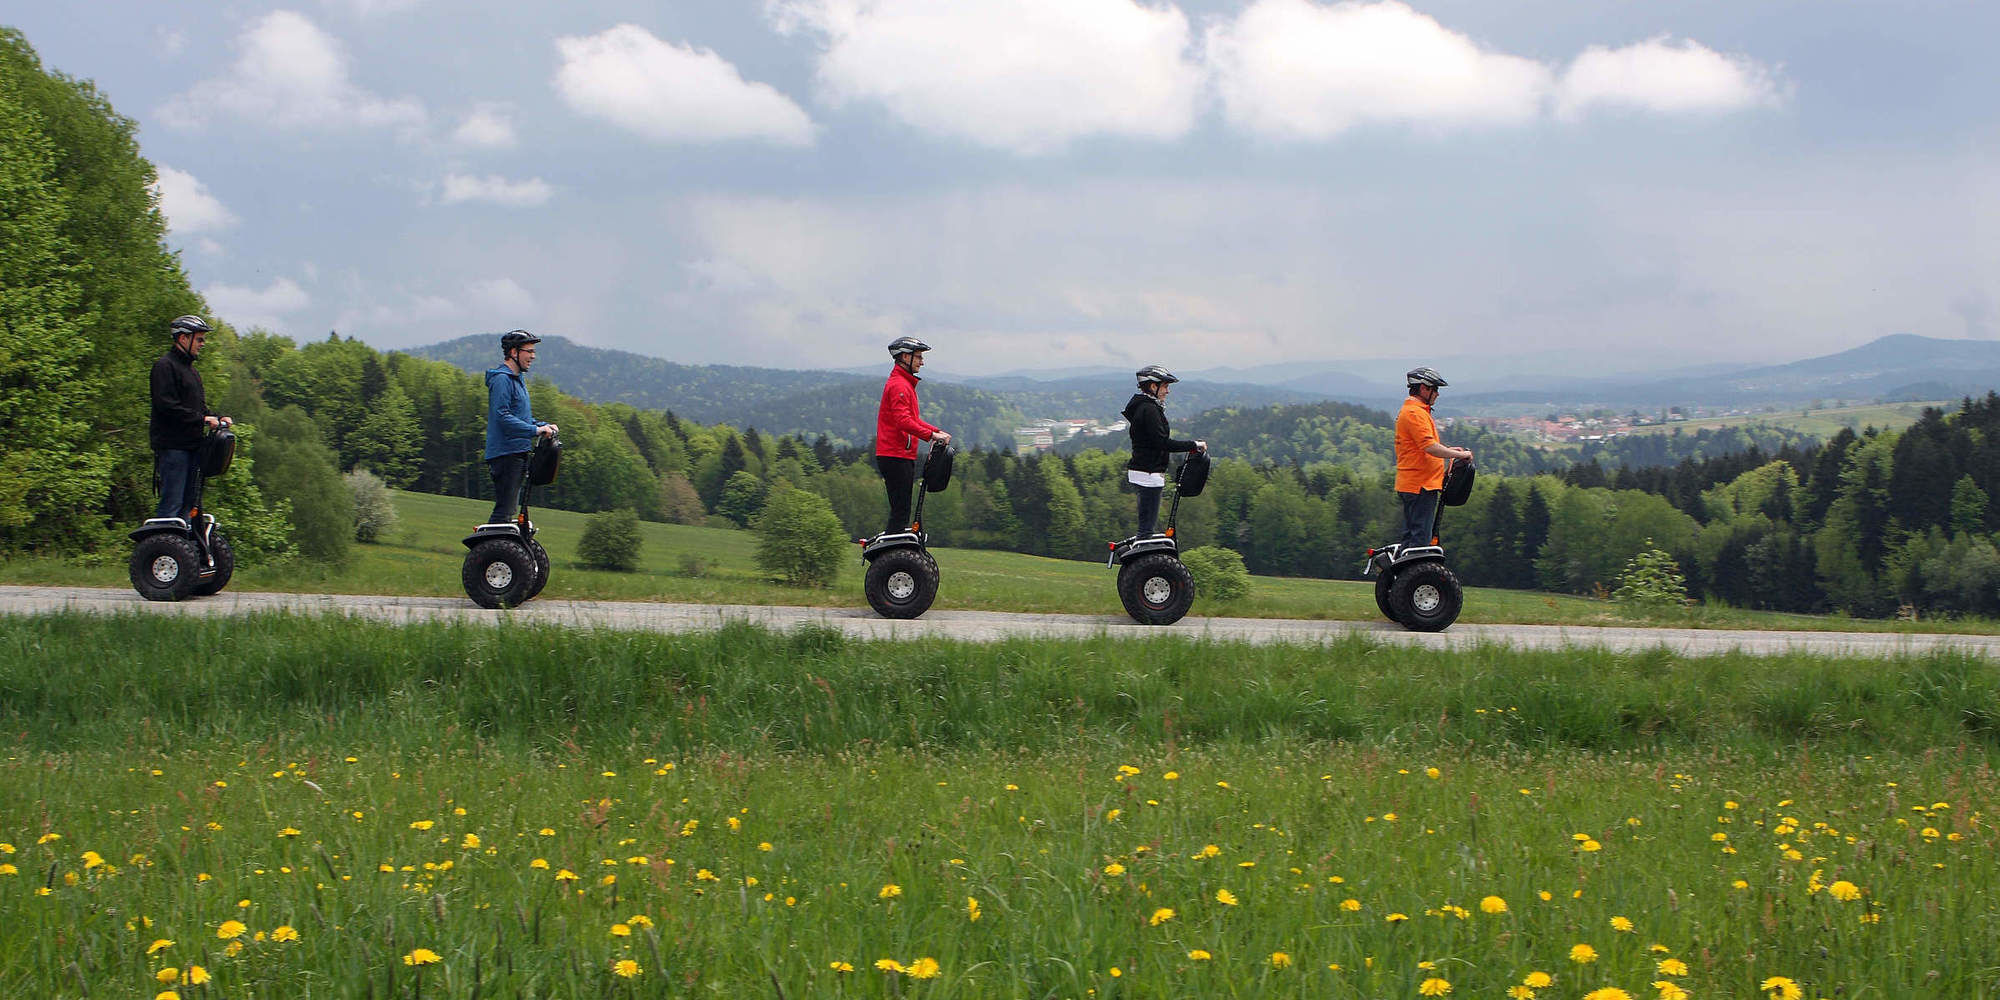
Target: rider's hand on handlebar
[1201,447]
[548,430]
[940,437]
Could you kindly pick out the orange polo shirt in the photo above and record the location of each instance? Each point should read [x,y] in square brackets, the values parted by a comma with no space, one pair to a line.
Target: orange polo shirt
[1417,469]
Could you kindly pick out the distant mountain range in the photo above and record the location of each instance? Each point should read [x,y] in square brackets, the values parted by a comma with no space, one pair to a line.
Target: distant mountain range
[984,410]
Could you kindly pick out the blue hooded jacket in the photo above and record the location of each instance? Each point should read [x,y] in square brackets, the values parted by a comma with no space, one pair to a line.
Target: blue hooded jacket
[510,425]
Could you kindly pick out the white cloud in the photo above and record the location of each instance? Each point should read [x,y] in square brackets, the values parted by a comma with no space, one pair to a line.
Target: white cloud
[496,189]
[1662,75]
[503,297]
[188,205]
[1294,69]
[1028,76]
[489,126]
[246,307]
[370,8]
[672,93]
[290,74]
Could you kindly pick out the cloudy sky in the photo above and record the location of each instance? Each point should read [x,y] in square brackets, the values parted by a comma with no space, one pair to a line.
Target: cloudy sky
[1040,183]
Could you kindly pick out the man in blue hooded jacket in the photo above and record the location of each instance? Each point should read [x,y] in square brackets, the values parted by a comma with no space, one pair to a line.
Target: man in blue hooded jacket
[510,426]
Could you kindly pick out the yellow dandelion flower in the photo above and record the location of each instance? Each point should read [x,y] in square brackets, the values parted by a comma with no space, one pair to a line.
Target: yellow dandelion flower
[1225,897]
[1590,846]
[888,965]
[470,843]
[1198,955]
[1844,891]
[1434,987]
[1161,916]
[284,933]
[421,956]
[1621,925]
[1781,988]
[196,975]
[621,930]
[890,891]
[923,968]
[625,968]
[1351,905]
[1396,918]
[1538,980]
[1583,954]
[230,930]
[1672,967]
[1114,869]
[841,966]
[168,975]
[565,875]
[539,864]
[1520,993]
[7,869]
[1670,990]
[1607,993]
[158,946]
[972,909]
[1280,960]
[1493,904]
[166,995]
[1208,851]
[1433,773]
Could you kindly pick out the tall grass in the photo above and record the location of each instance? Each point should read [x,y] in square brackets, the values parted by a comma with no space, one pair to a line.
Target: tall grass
[75,680]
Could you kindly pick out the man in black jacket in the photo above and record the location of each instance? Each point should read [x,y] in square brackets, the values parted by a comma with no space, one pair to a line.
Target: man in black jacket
[180,417]
[1146,419]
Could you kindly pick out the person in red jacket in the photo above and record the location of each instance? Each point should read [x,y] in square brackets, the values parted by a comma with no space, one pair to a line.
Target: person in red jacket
[898,428]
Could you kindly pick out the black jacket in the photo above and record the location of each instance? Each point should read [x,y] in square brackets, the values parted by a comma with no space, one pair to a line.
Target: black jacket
[1150,442]
[179,404]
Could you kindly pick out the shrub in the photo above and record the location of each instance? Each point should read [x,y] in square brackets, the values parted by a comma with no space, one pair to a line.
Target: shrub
[742,498]
[1218,573]
[294,463]
[374,510]
[799,538]
[1652,581]
[610,541]
[693,565]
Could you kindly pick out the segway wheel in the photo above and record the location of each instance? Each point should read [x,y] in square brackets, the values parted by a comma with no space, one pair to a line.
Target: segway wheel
[1156,589]
[166,567]
[1426,597]
[1384,582]
[225,566]
[902,583]
[541,568]
[499,573]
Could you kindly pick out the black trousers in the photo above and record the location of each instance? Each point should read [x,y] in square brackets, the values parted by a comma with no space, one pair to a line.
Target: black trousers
[510,485]
[898,475]
[1149,508]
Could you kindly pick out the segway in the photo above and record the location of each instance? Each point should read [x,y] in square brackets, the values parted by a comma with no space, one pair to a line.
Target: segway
[902,578]
[505,567]
[1153,584]
[1413,586]
[175,558]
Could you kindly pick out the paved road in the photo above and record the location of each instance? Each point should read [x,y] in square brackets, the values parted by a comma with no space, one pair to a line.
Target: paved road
[986,626]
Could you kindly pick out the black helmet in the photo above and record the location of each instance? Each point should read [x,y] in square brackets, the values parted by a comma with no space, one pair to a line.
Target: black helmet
[516,338]
[1155,373]
[1424,376]
[907,345]
[183,325]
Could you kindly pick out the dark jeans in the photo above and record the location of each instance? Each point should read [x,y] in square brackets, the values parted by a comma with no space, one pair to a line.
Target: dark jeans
[1419,514]
[898,475]
[510,485]
[1149,508]
[180,482]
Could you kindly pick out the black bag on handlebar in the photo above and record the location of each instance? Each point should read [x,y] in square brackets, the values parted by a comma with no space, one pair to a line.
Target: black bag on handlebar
[1192,477]
[542,464]
[937,469]
[217,451]
[1458,482]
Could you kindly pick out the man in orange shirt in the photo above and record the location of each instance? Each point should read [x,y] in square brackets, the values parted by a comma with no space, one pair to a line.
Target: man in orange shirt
[1420,457]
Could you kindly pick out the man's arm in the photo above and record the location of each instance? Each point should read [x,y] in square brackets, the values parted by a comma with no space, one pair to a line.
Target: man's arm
[506,415]
[1441,450]
[169,397]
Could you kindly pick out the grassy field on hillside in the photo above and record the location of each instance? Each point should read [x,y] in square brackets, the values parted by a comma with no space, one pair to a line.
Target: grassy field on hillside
[1821,423]
[423,555]
[301,806]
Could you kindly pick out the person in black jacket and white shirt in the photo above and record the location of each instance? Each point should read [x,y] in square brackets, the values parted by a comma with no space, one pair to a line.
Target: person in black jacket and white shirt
[180,417]
[1146,420]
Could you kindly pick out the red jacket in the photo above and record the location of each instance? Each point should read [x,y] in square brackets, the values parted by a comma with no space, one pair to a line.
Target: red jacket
[898,428]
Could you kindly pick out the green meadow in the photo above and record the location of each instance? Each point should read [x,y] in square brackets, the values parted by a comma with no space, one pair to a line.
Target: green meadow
[304,806]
